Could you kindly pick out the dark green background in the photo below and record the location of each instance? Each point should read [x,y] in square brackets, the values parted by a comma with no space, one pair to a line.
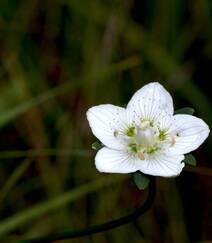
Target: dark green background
[60,57]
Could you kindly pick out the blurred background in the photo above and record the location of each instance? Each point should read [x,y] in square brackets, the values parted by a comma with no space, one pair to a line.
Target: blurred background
[60,57]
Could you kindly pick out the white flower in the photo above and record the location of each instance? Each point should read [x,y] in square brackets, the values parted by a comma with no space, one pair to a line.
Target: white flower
[145,136]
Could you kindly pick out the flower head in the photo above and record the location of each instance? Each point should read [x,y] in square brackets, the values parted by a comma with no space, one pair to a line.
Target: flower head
[145,136]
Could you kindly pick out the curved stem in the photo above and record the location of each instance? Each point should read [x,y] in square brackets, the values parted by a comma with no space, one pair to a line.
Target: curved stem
[105,226]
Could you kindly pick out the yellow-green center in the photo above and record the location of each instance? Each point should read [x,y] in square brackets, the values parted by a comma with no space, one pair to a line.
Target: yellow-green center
[144,139]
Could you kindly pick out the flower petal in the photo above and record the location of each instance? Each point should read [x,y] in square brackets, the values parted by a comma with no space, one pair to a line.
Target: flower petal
[190,133]
[104,120]
[151,101]
[164,165]
[114,161]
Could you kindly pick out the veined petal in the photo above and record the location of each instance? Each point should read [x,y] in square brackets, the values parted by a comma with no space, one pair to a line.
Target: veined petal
[114,161]
[104,120]
[150,102]
[189,131]
[164,165]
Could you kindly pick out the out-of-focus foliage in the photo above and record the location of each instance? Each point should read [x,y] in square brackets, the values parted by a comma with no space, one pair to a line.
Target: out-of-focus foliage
[60,57]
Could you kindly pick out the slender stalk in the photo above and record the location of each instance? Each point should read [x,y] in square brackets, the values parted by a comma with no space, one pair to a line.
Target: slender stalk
[101,227]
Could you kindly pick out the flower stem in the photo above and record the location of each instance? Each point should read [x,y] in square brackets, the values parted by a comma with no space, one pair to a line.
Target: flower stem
[102,227]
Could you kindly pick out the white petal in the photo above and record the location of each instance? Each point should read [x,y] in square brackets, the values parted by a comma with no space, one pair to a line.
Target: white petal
[114,161]
[164,165]
[151,101]
[190,133]
[104,120]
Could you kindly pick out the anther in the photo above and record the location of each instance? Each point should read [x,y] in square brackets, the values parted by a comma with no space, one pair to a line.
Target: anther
[173,140]
[141,156]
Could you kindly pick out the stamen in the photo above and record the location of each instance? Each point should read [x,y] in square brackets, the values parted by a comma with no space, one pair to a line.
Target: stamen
[173,140]
[141,155]
[144,124]
[145,139]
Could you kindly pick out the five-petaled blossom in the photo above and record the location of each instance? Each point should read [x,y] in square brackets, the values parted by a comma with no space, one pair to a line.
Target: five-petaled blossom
[145,136]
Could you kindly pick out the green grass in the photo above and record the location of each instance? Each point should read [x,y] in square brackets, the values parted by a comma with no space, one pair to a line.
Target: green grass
[60,57]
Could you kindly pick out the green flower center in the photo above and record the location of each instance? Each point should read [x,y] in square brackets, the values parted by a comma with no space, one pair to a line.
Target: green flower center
[144,139]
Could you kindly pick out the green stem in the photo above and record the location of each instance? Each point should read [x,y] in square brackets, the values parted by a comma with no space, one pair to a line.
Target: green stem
[102,227]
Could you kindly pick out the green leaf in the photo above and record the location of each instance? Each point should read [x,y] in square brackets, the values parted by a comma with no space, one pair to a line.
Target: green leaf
[186,110]
[97,145]
[141,180]
[190,160]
